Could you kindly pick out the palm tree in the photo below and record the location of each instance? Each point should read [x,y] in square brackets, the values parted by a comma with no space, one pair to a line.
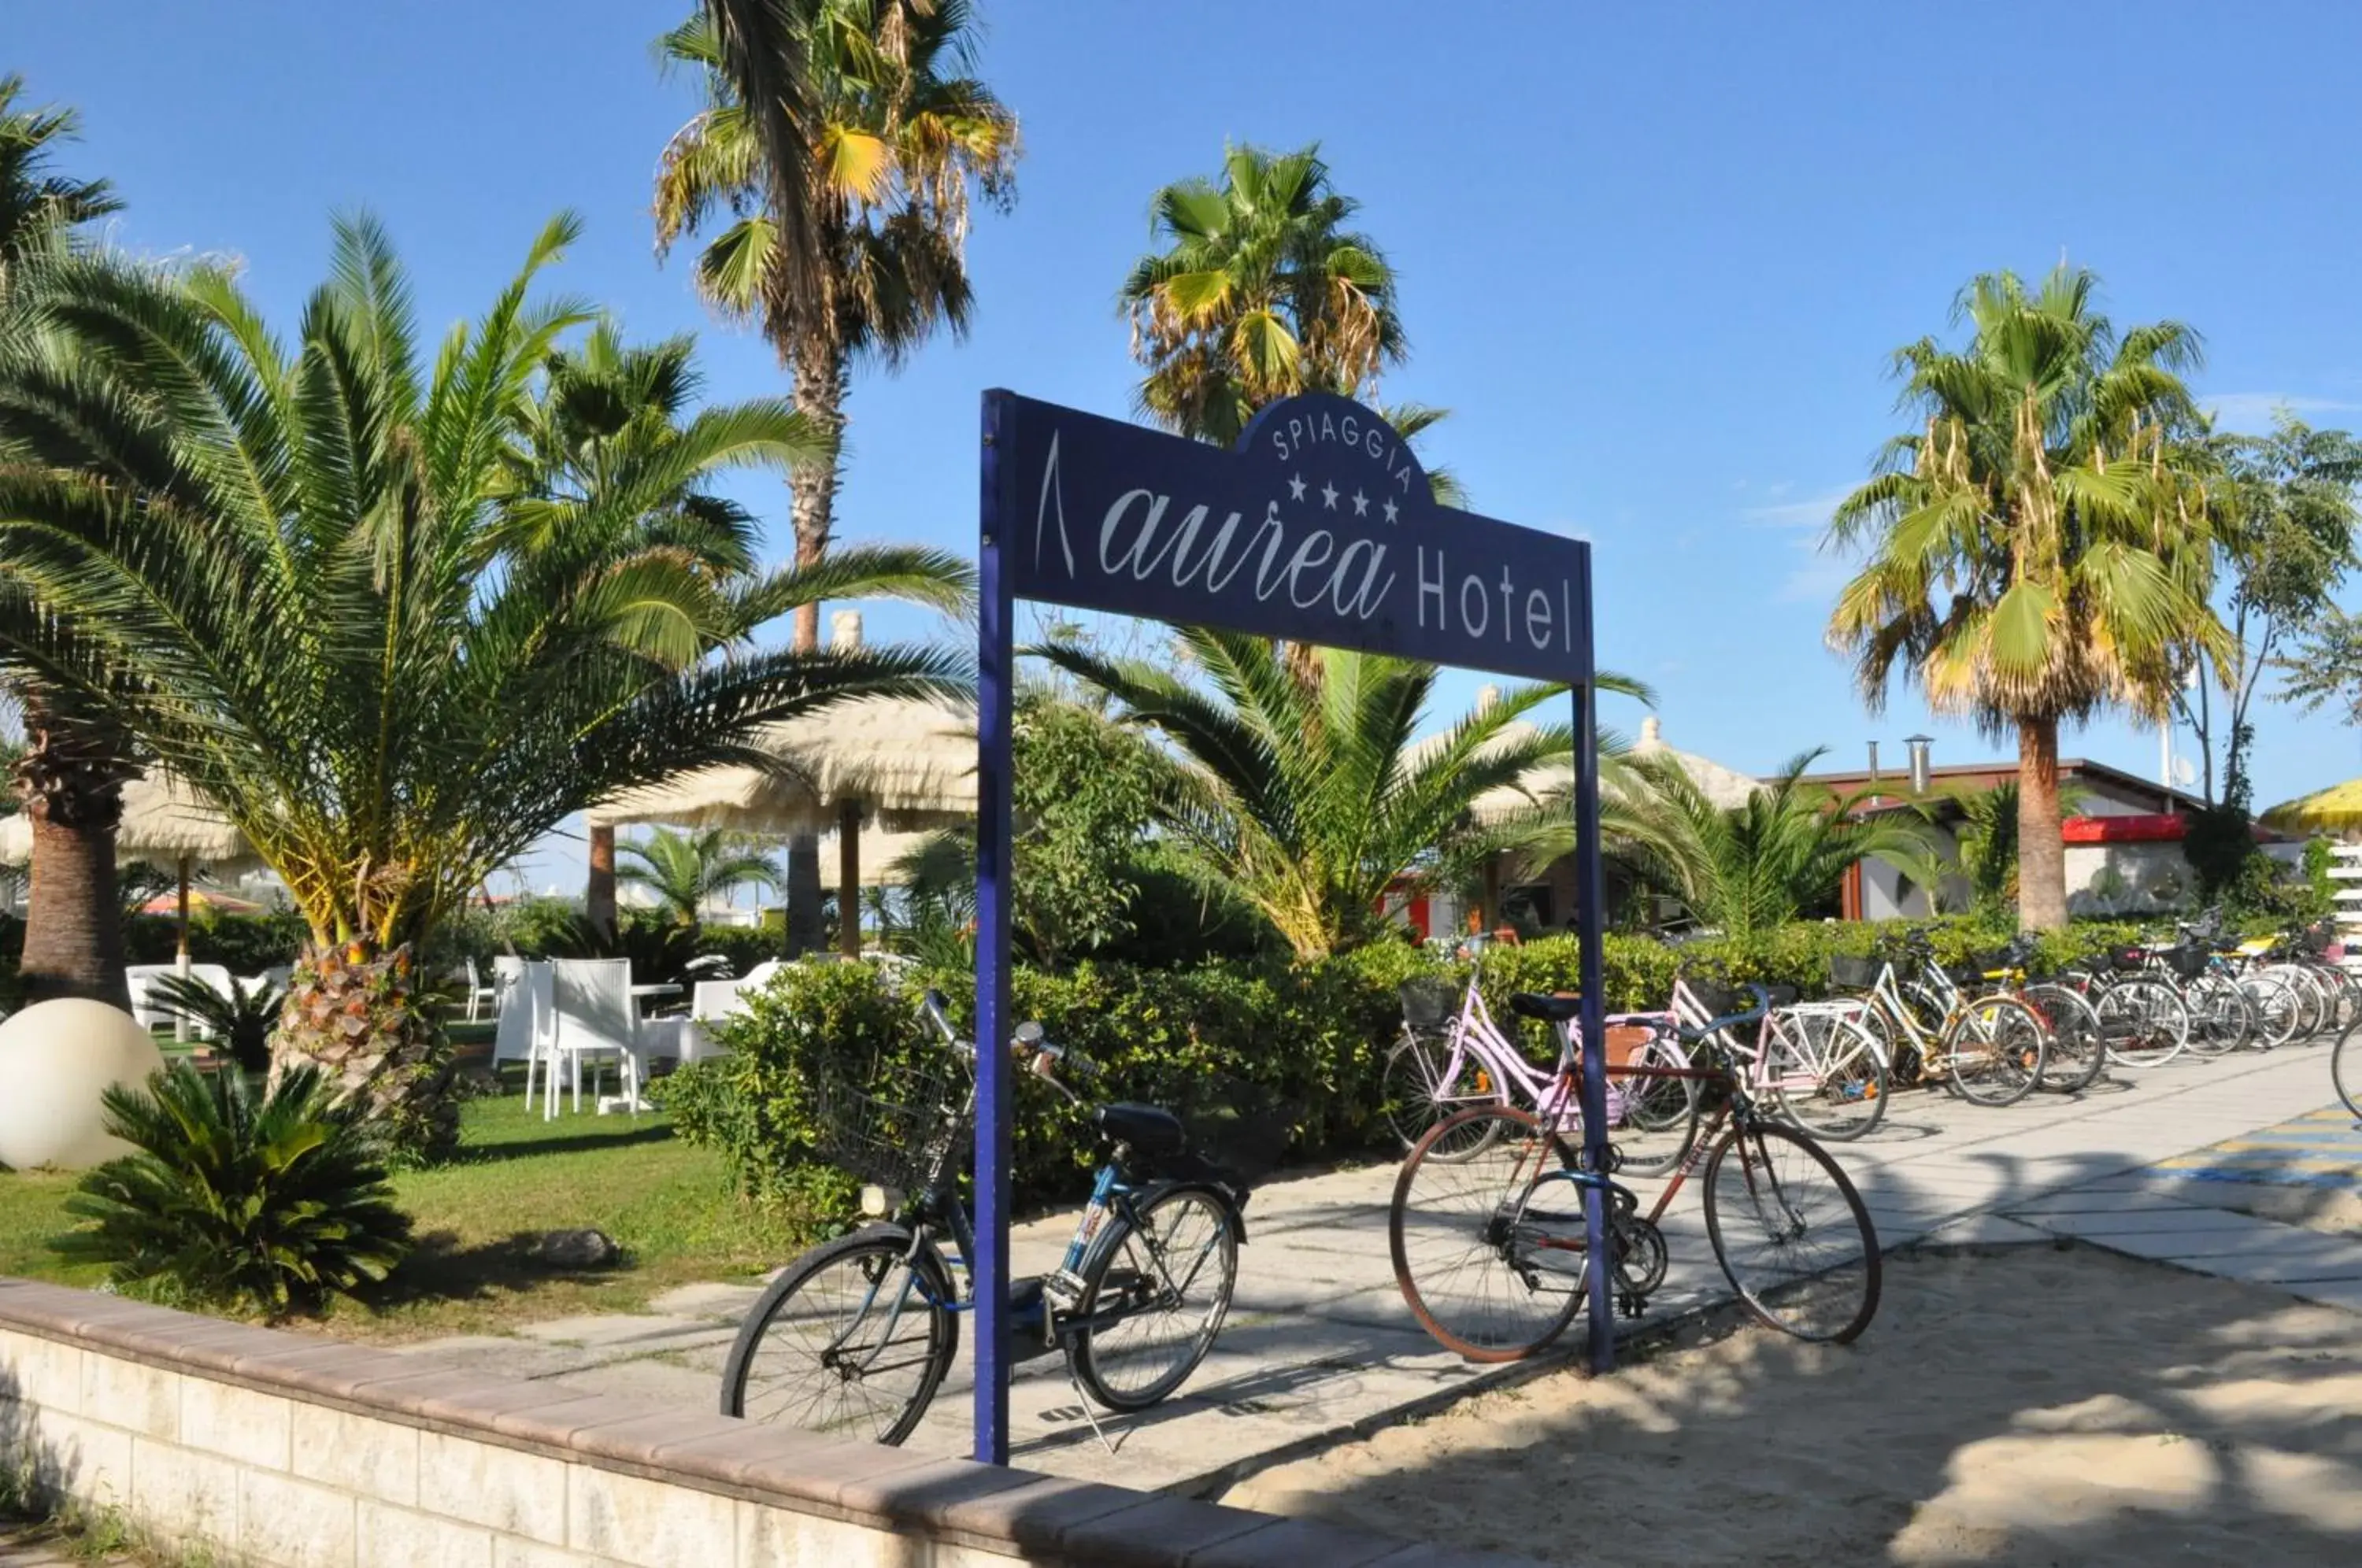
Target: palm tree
[1313,797]
[311,584]
[685,870]
[2040,550]
[1258,292]
[1750,868]
[612,416]
[71,778]
[841,138]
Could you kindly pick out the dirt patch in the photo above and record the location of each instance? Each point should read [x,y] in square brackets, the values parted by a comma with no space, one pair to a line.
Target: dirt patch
[2024,1407]
[2338,1210]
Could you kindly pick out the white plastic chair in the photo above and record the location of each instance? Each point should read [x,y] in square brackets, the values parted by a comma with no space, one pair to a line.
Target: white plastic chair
[146,1007]
[480,993]
[596,1019]
[522,1019]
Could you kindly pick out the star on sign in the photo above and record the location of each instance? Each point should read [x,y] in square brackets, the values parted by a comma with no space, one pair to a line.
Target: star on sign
[1295,487]
[1360,504]
[1390,509]
[1328,496]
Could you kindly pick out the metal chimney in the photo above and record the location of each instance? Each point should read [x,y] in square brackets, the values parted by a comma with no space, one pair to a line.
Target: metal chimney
[1919,764]
[1873,762]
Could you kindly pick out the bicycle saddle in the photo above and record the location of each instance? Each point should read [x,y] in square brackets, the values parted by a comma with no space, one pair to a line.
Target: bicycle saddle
[1152,1132]
[1538,1004]
[1782,995]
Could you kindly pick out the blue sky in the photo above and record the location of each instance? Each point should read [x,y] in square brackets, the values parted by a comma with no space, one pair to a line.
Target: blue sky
[1653,257]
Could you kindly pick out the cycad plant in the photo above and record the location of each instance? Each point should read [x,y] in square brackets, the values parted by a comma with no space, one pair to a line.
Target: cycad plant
[315,583]
[2041,549]
[273,1200]
[1312,796]
[1750,868]
[242,1019]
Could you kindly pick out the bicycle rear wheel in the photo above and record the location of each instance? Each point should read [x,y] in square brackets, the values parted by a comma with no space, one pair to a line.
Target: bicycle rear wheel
[1792,1234]
[1659,1115]
[2345,1068]
[2222,1017]
[2078,1050]
[2276,1013]
[1153,1297]
[1993,1051]
[1827,1075]
[1416,1095]
[1480,1243]
[853,1340]
[2142,1024]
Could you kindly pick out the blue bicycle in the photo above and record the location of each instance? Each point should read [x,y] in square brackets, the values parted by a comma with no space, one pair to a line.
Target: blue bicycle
[858,1334]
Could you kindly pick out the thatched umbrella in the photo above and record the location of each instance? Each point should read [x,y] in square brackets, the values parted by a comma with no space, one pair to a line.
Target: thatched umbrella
[2337,809]
[164,823]
[904,765]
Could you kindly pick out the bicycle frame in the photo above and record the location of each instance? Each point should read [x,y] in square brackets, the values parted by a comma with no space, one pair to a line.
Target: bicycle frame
[1550,1093]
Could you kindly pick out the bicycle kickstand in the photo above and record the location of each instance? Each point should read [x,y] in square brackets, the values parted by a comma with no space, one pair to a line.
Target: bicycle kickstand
[1089,1415]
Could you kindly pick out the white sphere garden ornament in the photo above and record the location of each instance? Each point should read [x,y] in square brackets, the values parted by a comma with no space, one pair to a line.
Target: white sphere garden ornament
[57,1058]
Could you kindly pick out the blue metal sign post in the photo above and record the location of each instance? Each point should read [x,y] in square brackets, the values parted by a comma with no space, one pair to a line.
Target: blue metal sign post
[1319,527]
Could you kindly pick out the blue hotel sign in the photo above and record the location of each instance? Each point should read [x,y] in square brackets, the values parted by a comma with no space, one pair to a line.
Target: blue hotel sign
[1319,528]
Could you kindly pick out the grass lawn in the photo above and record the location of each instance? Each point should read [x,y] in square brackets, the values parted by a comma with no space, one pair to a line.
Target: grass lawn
[669,1207]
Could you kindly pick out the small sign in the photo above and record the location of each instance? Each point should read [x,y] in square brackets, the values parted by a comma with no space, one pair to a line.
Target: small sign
[1319,528]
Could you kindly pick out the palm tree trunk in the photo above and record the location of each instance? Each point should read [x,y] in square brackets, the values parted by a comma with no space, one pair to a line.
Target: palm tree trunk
[819,378]
[363,1019]
[2041,856]
[599,897]
[70,783]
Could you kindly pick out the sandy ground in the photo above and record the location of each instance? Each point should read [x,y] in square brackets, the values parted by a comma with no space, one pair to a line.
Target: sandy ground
[2334,1210]
[2023,1406]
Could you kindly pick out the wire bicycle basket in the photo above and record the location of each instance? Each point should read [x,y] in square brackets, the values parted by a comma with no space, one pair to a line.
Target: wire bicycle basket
[1851,973]
[893,1125]
[1428,1004]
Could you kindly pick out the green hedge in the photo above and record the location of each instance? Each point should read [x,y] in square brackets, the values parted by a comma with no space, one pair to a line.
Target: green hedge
[1216,1040]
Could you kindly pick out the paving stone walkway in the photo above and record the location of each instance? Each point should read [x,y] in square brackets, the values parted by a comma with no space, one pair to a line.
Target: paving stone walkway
[1320,1345]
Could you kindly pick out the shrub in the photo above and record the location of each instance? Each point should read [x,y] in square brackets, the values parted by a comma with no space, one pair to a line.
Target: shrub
[242,1021]
[275,1202]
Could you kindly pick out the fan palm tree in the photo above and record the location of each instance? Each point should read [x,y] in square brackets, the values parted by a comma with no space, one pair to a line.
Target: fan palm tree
[2040,550]
[71,778]
[685,870]
[1750,868]
[1312,796]
[837,150]
[311,584]
[1258,292]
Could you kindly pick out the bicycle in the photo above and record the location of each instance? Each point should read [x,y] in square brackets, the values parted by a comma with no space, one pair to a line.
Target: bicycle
[1475,1245]
[856,1336]
[1815,1064]
[1989,1051]
[2075,1051]
[2345,1069]
[1447,1061]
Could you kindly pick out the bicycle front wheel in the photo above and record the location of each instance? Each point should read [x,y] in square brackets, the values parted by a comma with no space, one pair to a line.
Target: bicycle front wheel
[1426,1080]
[1487,1250]
[1827,1075]
[853,1340]
[1153,1297]
[1995,1050]
[2078,1050]
[1792,1234]
[2276,1013]
[2142,1024]
[2222,1017]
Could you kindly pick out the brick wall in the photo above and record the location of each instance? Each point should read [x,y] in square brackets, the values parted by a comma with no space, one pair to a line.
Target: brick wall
[287,1451]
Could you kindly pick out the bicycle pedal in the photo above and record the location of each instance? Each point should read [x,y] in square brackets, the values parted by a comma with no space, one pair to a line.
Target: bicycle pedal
[1631,1306]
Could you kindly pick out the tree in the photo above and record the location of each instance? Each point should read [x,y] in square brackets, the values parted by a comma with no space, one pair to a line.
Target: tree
[311,584]
[2286,536]
[2041,549]
[1751,868]
[2325,671]
[1312,796]
[1258,292]
[842,139]
[687,870]
[69,778]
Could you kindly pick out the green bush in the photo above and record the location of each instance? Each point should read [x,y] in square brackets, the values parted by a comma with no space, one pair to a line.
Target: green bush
[273,1203]
[1206,1042]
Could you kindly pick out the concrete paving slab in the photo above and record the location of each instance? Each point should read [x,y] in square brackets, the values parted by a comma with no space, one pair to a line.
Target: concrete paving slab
[712,1300]
[1984,1231]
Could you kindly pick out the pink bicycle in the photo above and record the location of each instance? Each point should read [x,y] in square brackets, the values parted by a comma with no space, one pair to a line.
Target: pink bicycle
[1448,1061]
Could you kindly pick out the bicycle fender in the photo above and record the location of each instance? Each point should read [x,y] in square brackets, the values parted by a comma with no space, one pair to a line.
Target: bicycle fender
[1221,1195]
